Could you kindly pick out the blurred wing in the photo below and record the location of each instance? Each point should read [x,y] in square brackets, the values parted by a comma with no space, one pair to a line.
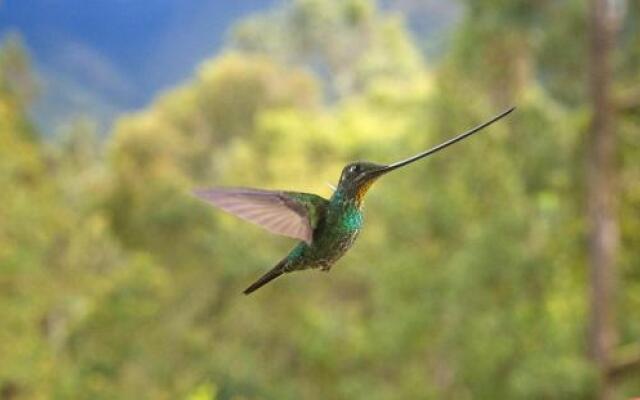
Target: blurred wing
[284,213]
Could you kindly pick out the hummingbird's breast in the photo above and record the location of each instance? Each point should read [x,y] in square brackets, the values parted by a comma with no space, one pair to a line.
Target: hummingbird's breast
[340,232]
[334,235]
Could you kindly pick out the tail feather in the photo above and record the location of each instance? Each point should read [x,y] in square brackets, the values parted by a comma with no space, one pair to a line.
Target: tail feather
[266,278]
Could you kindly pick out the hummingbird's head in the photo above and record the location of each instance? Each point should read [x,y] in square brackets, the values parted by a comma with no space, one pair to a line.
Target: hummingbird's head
[357,177]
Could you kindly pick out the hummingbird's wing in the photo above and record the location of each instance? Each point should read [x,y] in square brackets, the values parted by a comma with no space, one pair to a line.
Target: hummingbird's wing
[290,214]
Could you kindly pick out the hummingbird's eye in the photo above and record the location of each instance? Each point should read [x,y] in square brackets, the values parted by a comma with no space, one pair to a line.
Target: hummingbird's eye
[354,168]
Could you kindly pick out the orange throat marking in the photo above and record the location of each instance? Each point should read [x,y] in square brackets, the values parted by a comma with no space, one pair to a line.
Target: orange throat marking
[362,190]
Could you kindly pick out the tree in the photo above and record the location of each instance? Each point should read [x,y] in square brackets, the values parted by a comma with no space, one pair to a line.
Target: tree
[601,193]
[603,203]
[349,44]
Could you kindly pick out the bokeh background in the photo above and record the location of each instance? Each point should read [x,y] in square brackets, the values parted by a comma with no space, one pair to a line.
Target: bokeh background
[506,267]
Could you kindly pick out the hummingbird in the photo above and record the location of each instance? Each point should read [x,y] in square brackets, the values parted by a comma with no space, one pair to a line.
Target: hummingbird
[325,228]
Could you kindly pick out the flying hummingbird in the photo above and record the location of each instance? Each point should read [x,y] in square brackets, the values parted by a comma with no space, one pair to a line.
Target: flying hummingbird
[326,228]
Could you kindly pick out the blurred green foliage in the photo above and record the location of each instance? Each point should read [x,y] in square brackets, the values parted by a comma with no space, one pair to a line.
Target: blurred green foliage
[469,280]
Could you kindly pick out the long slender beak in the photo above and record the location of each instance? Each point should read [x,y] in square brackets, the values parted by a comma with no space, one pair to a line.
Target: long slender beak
[441,146]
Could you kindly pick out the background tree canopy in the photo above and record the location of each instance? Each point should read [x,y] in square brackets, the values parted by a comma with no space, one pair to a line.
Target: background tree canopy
[470,280]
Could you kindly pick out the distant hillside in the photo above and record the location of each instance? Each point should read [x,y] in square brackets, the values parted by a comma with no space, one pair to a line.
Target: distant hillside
[115,56]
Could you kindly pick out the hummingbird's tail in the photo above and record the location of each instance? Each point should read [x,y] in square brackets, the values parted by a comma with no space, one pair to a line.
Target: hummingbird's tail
[266,278]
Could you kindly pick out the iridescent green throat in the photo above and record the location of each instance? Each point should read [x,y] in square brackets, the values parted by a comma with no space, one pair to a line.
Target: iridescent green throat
[349,210]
